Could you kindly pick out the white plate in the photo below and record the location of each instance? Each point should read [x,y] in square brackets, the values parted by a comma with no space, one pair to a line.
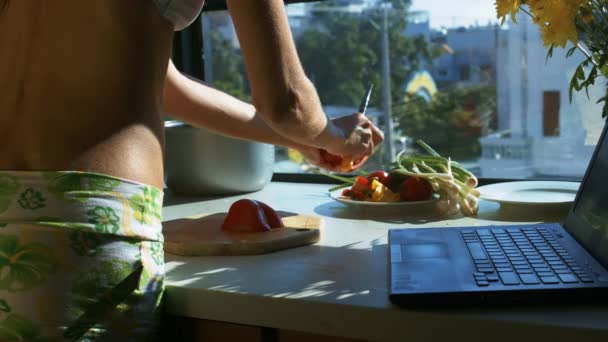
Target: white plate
[530,192]
[337,195]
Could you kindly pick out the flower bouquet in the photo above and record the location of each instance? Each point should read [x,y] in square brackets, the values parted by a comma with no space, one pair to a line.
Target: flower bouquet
[582,23]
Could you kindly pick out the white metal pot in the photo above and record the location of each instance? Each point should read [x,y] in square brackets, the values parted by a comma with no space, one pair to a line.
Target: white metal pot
[200,162]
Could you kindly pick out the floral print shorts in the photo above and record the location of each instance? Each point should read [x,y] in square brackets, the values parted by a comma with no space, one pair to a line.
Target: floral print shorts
[81,257]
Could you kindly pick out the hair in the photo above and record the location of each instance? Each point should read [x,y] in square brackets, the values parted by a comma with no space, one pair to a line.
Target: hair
[3,4]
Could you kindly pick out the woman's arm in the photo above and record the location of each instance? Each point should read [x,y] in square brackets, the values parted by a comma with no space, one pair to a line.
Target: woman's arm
[200,105]
[287,110]
[282,94]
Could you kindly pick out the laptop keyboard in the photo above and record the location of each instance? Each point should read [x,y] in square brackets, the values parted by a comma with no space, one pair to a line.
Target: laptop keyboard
[521,256]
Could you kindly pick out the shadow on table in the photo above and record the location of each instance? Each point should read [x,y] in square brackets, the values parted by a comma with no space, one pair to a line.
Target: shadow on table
[307,272]
[322,273]
[420,214]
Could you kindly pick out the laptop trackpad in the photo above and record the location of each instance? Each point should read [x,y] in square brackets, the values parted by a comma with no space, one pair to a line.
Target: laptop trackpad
[412,251]
[424,267]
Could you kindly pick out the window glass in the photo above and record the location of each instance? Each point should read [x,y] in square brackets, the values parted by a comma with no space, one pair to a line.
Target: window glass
[443,71]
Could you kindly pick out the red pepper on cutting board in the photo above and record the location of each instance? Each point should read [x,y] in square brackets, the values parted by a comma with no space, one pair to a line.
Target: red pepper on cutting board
[247,215]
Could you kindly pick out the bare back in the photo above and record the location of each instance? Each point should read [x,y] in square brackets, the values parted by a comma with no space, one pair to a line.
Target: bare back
[81,86]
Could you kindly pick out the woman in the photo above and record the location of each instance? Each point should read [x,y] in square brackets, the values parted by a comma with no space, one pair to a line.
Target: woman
[83,89]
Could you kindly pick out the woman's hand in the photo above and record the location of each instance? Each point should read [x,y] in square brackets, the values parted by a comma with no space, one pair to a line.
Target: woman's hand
[359,138]
[356,139]
[330,162]
[314,156]
[357,132]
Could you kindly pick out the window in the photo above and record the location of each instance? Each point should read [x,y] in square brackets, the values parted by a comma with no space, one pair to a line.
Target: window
[464,72]
[550,113]
[486,103]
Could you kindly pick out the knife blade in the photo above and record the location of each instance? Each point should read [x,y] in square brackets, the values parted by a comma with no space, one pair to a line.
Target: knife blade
[365,101]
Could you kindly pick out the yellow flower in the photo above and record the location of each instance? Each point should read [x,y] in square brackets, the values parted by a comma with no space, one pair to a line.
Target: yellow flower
[505,7]
[559,33]
[556,19]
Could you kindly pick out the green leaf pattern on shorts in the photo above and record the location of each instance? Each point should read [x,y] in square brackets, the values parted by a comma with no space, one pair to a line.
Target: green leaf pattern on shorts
[31,199]
[104,218]
[147,207]
[100,202]
[88,286]
[156,250]
[85,243]
[101,183]
[19,328]
[4,307]
[8,187]
[144,280]
[24,266]
[78,186]
[105,274]
[63,184]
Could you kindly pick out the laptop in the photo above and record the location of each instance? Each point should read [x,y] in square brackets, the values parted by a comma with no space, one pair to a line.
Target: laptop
[511,264]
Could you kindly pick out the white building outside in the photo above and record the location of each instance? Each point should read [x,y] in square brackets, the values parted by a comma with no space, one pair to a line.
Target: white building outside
[540,132]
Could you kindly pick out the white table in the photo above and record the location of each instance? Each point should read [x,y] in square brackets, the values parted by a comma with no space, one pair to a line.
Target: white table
[338,286]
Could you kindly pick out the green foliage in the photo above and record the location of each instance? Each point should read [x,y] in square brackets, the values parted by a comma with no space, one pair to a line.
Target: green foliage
[591,24]
[343,53]
[451,122]
[228,68]
[401,4]
[595,64]
[590,20]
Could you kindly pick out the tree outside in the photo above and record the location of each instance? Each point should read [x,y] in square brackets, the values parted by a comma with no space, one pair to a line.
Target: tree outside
[228,67]
[452,122]
[342,53]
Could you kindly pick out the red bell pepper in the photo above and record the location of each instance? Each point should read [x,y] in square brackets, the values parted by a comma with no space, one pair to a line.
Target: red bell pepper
[247,215]
[416,189]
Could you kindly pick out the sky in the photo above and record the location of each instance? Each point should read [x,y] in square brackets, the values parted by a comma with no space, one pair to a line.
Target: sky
[450,13]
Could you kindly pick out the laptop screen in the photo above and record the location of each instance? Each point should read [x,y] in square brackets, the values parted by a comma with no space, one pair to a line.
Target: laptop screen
[588,220]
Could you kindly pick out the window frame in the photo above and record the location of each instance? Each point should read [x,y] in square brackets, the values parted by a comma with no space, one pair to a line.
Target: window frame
[220,5]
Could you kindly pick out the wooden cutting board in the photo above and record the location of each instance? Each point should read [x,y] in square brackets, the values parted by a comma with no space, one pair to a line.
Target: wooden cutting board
[202,235]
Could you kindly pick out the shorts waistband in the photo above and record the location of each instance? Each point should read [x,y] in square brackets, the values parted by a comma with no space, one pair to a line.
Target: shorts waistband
[81,200]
